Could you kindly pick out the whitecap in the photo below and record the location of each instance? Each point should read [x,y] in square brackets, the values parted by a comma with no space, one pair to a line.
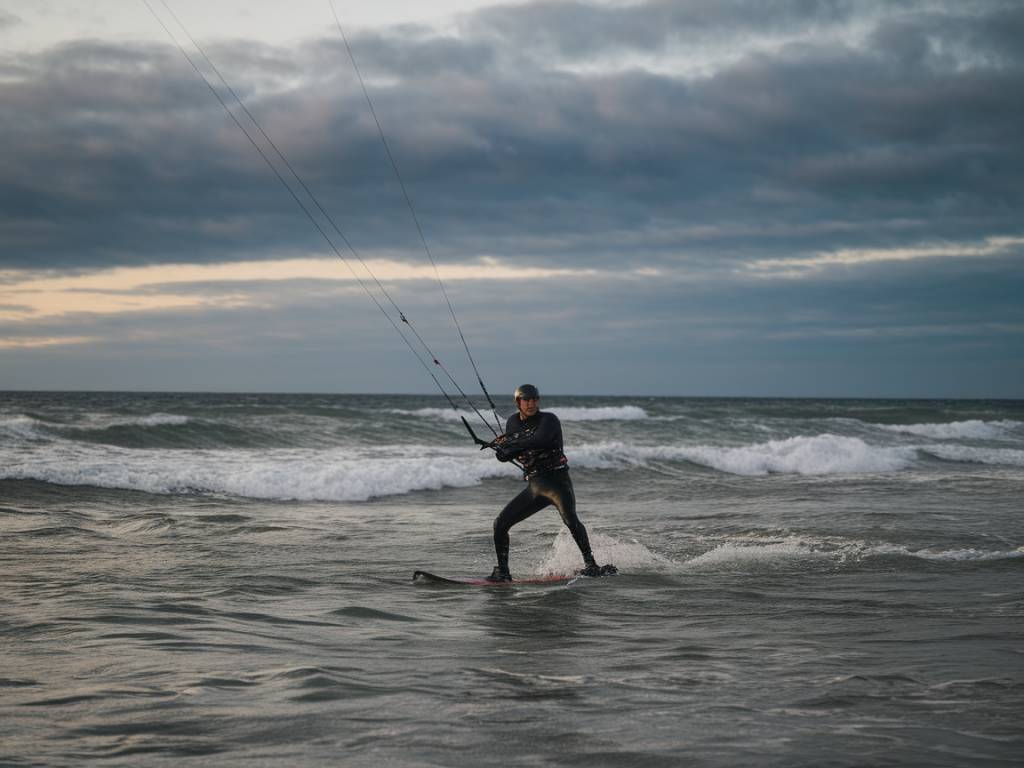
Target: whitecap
[23,427]
[970,429]
[98,423]
[969,554]
[745,554]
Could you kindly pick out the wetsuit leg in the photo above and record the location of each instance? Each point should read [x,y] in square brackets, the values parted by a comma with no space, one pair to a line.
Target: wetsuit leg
[521,507]
[558,488]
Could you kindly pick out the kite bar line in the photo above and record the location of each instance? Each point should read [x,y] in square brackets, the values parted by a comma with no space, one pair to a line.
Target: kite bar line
[305,209]
[412,212]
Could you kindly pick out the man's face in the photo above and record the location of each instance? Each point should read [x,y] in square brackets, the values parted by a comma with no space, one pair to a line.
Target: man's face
[528,406]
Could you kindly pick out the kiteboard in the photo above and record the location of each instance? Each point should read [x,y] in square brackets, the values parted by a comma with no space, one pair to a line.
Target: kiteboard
[424,577]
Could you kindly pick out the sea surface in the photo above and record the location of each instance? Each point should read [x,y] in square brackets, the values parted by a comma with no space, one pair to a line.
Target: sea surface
[226,579]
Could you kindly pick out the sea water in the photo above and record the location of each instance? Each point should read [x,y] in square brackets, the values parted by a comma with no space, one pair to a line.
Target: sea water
[227,579]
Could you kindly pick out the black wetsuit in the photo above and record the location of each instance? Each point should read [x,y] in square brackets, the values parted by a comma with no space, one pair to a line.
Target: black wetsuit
[536,443]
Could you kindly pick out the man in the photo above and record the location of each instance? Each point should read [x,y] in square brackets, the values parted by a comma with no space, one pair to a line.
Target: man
[534,439]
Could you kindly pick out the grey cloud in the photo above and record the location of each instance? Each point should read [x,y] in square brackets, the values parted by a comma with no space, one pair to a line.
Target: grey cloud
[8,20]
[118,154]
[580,29]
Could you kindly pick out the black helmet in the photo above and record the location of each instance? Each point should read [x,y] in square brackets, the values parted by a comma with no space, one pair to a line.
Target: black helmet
[526,390]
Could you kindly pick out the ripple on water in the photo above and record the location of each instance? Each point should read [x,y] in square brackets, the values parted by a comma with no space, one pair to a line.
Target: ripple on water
[361,612]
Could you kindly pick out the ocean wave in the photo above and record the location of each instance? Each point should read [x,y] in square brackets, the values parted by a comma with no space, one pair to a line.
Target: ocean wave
[819,455]
[1011,457]
[969,554]
[282,474]
[361,473]
[609,413]
[970,429]
[758,550]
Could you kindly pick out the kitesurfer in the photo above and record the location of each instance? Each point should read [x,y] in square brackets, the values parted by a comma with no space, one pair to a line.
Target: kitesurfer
[534,439]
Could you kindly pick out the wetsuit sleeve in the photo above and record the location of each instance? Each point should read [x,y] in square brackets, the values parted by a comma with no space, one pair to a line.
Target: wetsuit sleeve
[547,435]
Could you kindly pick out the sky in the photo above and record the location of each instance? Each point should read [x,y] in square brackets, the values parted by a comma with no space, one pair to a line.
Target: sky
[812,198]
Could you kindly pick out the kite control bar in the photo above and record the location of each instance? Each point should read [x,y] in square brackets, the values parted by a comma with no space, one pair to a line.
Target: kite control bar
[484,444]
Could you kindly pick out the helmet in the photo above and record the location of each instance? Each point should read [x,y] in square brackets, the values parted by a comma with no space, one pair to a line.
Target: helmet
[526,390]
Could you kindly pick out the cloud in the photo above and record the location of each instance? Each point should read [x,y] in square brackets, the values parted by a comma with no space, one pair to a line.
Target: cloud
[897,124]
[853,257]
[32,342]
[8,20]
[28,296]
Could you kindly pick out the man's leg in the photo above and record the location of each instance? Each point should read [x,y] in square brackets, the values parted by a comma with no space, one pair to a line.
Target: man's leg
[558,488]
[517,510]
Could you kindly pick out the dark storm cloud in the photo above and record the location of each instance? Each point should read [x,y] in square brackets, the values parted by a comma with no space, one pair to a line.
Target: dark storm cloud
[118,154]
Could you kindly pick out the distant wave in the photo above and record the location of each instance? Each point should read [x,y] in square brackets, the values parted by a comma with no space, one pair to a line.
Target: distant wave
[971,429]
[28,428]
[820,455]
[609,413]
[153,420]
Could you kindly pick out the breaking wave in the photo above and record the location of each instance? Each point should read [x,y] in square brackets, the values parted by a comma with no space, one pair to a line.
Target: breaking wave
[358,474]
[284,474]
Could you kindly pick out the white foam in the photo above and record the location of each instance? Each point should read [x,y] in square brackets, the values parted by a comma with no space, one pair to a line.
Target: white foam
[565,557]
[820,455]
[746,554]
[153,420]
[755,550]
[971,429]
[946,555]
[995,456]
[22,427]
[301,474]
[610,413]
